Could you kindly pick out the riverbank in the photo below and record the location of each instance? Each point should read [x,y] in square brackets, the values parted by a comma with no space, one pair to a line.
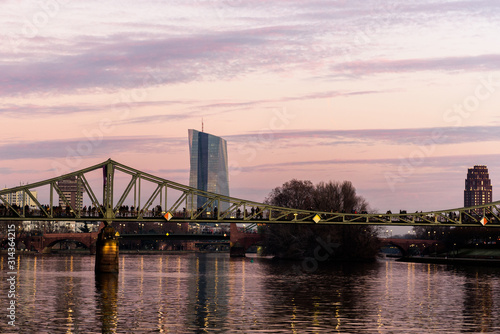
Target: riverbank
[465,256]
[453,260]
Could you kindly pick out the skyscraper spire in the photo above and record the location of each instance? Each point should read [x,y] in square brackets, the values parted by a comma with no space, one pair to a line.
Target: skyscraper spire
[202,124]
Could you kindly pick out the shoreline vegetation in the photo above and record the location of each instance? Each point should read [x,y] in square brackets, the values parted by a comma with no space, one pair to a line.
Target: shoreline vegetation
[324,242]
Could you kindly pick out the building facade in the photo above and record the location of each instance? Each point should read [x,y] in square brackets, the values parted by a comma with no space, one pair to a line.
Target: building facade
[21,199]
[73,191]
[478,189]
[208,168]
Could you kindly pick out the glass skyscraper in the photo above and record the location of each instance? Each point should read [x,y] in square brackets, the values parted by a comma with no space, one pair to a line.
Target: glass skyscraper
[209,167]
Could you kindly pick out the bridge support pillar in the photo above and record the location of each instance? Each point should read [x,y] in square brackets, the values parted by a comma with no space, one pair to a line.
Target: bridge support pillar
[236,250]
[106,259]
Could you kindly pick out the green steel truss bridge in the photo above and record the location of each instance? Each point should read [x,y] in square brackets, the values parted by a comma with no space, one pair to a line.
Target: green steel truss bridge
[110,187]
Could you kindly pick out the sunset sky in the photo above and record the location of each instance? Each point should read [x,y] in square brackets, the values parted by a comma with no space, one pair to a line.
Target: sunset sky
[399,97]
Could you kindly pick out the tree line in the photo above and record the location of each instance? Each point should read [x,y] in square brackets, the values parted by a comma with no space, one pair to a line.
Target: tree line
[295,241]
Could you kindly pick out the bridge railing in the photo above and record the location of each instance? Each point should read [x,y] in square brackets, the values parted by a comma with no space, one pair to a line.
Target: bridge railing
[267,213]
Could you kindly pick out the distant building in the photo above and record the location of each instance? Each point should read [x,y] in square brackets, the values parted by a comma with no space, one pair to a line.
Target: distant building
[478,188]
[21,199]
[72,191]
[209,167]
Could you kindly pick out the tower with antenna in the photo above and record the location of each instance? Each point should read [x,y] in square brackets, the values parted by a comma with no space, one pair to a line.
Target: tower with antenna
[208,167]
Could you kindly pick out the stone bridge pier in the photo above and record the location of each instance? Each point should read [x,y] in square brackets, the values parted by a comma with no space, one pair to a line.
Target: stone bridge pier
[107,250]
[104,244]
[240,241]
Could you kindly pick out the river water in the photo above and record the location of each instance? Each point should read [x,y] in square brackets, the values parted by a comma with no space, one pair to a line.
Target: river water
[212,293]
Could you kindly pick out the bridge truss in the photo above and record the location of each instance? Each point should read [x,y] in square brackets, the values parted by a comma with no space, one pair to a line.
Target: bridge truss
[115,192]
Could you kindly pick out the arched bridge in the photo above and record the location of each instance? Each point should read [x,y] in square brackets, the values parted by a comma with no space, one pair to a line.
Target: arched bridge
[41,242]
[116,192]
[404,245]
[45,241]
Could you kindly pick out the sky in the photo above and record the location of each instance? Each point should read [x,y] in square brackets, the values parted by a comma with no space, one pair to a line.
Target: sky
[398,97]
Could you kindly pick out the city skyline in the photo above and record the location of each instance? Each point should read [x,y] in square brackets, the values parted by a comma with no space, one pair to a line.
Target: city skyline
[398,98]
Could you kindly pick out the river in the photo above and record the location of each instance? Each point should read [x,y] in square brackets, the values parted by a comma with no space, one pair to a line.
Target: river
[212,293]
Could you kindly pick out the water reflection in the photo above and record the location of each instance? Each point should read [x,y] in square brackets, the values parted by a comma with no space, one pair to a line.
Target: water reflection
[478,301]
[204,293]
[65,299]
[328,298]
[106,285]
[207,295]
[381,296]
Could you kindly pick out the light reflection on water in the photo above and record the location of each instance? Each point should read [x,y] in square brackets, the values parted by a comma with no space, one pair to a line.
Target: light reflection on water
[206,293]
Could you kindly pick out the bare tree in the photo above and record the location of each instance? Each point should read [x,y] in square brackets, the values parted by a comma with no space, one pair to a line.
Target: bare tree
[338,197]
[293,194]
[298,240]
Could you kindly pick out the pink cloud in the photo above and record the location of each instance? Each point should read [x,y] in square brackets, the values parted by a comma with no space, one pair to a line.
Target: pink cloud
[464,63]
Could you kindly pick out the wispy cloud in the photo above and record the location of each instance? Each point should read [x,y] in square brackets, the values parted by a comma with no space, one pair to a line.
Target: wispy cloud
[173,171]
[458,162]
[35,110]
[30,110]
[198,110]
[105,147]
[10,171]
[125,62]
[310,96]
[409,136]
[489,62]
[271,36]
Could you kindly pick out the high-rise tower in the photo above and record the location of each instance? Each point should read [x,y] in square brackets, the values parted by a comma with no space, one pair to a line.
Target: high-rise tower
[209,167]
[478,188]
[73,191]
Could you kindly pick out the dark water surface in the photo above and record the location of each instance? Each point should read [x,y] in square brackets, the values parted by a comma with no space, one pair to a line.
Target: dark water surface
[198,293]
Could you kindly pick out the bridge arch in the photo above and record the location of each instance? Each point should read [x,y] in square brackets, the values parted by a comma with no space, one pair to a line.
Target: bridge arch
[400,249]
[78,242]
[40,242]
[405,245]
[406,251]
